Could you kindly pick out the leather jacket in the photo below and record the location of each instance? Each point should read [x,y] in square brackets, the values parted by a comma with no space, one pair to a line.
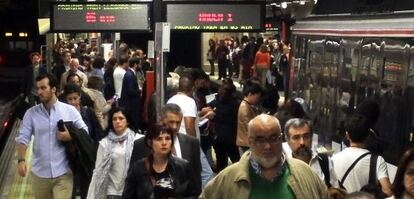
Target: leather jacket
[138,181]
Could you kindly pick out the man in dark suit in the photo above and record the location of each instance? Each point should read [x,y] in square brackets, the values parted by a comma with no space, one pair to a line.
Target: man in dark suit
[31,72]
[131,94]
[58,70]
[185,146]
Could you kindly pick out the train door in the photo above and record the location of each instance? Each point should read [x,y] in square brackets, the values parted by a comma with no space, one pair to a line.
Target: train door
[299,83]
[393,120]
[313,75]
[328,91]
[369,70]
[347,72]
[409,93]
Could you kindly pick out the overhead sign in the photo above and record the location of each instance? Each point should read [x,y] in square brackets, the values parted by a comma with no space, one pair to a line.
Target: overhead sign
[272,24]
[216,17]
[100,16]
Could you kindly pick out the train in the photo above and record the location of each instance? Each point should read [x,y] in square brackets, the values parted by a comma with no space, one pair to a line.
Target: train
[342,60]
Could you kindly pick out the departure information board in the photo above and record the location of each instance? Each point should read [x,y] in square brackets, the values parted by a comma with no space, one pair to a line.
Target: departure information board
[216,17]
[99,16]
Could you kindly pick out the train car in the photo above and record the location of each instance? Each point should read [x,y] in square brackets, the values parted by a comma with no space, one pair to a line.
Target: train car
[342,60]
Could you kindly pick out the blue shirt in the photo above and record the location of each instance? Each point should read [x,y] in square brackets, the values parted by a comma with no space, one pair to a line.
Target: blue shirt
[49,158]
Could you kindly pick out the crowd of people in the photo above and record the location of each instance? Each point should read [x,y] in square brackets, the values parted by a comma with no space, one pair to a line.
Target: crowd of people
[264,59]
[91,139]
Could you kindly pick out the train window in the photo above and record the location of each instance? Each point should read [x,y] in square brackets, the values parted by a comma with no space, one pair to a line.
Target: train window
[21,45]
[395,64]
[11,45]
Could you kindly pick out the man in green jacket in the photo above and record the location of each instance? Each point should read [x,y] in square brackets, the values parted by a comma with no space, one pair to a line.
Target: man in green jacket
[264,171]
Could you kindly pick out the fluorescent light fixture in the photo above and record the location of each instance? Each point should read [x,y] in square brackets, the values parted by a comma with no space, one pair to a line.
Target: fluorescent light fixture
[22,34]
[284,5]
[8,34]
[44,25]
[302,2]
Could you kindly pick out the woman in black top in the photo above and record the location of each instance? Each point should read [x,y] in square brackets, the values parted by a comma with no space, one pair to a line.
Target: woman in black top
[160,175]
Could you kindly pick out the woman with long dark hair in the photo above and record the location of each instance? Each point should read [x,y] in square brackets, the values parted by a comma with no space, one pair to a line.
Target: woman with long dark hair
[211,55]
[113,157]
[159,175]
[403,186]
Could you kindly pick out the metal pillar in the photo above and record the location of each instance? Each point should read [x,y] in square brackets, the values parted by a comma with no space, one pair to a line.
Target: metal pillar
[162,46]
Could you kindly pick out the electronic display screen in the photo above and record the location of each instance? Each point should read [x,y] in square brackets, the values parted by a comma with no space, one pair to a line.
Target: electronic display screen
[94,16]
[217,17]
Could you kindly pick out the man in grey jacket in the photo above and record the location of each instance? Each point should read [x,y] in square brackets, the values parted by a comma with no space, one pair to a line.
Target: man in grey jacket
[265,172]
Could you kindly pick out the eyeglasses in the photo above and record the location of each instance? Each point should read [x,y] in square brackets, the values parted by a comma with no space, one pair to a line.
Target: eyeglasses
[274,139]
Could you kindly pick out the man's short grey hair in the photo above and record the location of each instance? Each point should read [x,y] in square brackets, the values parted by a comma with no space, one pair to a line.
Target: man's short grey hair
[296,123]
[264,118]
[170,108]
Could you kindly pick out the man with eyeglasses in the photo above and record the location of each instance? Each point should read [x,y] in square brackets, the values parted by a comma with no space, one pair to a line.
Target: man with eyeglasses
[265,171]
[299,145]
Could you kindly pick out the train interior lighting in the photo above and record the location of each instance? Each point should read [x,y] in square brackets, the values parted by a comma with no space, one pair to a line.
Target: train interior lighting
[22,34]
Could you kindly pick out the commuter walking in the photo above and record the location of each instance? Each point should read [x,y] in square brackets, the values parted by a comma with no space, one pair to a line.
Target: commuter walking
[51,175]
[265,171]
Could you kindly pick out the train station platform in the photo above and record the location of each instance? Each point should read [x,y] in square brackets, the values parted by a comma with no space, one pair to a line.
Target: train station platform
[13,186]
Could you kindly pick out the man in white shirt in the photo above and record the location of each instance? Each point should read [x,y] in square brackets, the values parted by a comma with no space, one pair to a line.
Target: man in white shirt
[357,130]
[299,145]
[119,73]
[188,106]
[189,124]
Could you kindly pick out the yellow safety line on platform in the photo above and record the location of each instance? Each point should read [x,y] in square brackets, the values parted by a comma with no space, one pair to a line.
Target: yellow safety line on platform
[21,187]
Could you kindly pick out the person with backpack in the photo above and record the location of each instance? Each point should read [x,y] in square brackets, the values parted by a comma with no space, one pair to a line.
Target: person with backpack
[299,134]
[355,166]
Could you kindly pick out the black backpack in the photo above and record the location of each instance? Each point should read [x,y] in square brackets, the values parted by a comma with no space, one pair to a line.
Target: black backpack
[373,187]
[324,163]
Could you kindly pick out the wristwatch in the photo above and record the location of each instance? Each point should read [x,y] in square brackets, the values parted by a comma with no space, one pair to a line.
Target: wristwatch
[20,160]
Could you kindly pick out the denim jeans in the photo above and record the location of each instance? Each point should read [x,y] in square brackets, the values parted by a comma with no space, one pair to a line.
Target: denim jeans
[206,171]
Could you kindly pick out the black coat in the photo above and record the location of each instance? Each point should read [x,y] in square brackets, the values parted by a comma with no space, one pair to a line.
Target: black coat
[131,98]
[190,151]
[138,182]
[81,151]
[225,121]
[95,130]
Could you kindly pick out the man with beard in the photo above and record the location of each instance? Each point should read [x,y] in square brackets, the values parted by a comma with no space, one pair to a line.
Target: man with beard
[265,171]
[299,145]
[51,174]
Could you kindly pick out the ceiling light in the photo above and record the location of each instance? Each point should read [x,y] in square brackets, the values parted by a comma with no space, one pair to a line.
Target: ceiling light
[302,2]
[316,1]
[22,34]
[284,5]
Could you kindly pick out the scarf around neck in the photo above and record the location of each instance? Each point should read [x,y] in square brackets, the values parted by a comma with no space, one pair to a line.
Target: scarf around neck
[102,170]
